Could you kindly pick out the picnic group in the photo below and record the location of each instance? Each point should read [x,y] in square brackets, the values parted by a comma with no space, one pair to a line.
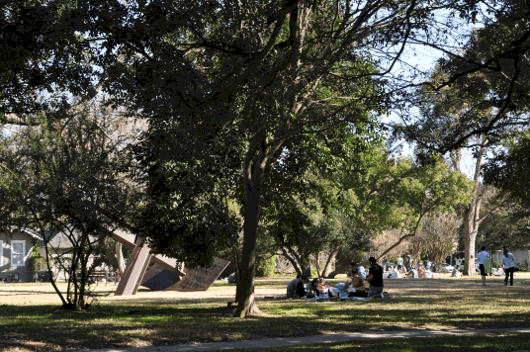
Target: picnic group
[360,285]
[363,285]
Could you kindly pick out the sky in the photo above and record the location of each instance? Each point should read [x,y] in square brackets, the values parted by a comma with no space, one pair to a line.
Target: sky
[424,59]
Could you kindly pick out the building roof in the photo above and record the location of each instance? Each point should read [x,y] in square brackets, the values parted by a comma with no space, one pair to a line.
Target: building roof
[60,239]
[30,232]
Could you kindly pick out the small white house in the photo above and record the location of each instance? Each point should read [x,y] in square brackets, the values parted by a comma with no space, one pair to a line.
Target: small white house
[15,251]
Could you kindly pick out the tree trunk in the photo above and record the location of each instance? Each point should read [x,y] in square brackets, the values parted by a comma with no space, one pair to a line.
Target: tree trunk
[339,270]
[306,264]
[292,260]
[253,181]
[111,254]
[245,287]
[257,161]
[470,214]
[331,257]
[317,265]
[470,237]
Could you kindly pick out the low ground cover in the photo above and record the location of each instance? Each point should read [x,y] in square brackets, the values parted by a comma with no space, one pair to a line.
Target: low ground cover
[30,319]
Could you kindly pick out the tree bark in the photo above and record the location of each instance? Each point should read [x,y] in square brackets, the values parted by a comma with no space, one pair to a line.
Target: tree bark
[245,287]
[292,260]
[253,174]
[470,237]
[331,258]
[470,214]
[317,265]
[306,264]
[257,160]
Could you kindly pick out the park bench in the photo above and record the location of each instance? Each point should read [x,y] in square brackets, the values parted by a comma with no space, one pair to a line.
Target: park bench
[98,275]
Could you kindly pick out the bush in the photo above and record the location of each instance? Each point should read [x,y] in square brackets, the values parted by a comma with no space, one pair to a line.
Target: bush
[495,264]
[265,265]
[35,261]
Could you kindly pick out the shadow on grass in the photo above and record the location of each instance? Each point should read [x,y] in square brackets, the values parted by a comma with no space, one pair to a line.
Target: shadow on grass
[128,324]
[165,321]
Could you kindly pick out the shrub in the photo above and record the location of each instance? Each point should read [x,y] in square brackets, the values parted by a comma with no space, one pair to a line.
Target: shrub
[35,261]
[265,265]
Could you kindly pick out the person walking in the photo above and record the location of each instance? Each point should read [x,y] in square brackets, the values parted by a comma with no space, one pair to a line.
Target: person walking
[400,263]
[481,256]
[508,261]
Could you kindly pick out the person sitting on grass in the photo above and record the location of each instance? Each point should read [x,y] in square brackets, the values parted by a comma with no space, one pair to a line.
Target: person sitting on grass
[428,274]
[295,288]
[311,288]
[357,282]
[421,270]
[396,274]
[361,271]
[413,273]
[499,272]
[357,286]
[325,290]
[456,273]
[388,273]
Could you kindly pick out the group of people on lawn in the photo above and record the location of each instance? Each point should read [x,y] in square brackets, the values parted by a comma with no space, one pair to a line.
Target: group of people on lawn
[355,285]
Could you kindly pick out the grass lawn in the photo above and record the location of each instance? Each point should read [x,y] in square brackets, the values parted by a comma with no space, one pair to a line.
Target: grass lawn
[30,319]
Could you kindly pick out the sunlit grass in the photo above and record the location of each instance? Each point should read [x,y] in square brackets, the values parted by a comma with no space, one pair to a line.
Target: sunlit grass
[483,343]
[31,321]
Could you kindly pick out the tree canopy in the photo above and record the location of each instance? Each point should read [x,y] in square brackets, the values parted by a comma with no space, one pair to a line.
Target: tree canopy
[231,88]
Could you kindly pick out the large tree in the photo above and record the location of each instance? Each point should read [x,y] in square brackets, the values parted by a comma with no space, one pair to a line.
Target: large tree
[427,190]
[492,69]
[49,55]
[246,75]
[441,114]
[69,175]
[255,75]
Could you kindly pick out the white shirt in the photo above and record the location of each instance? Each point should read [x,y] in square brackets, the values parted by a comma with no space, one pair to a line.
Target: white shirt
[361,272]
[428,274]
[414,273]
[395,274]
[508,260]
[481,256]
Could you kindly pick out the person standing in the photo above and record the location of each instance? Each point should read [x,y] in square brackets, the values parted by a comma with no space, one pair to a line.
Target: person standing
[375,276]
[481,256]
[400,263]
[508,261]
[409,262]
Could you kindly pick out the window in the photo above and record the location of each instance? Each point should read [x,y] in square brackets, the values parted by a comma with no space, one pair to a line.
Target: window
[18,253]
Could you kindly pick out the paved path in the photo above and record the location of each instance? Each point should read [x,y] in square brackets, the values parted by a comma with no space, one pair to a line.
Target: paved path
[311,340]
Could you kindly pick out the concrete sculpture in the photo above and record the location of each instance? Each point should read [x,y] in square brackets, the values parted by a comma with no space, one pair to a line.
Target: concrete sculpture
[166,273]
